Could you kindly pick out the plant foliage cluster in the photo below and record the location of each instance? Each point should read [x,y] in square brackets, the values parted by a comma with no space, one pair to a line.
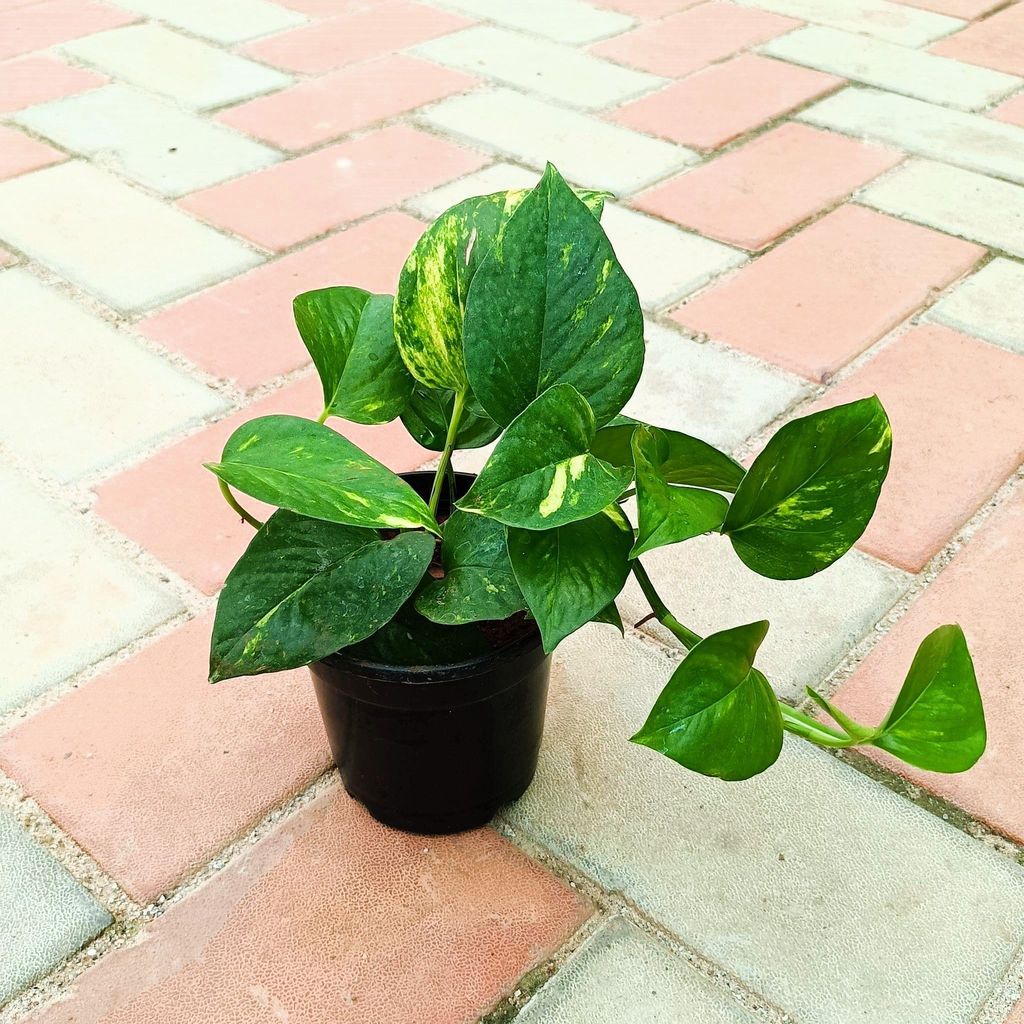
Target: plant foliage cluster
[514,321]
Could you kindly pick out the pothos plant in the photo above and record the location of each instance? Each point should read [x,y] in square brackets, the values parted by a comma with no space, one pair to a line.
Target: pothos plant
[513,321]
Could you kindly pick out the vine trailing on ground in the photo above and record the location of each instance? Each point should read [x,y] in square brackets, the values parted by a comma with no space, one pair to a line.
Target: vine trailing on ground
[514,322]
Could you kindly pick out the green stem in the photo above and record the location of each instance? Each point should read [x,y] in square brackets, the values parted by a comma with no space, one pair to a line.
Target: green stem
[449,447]
[685,636]
[230,499]
[809,728]
[322,418]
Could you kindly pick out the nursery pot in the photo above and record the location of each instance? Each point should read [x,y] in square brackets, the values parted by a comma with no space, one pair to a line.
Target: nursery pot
[434,732]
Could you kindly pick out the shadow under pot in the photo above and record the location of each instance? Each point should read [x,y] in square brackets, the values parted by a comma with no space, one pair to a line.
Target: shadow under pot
[434,727]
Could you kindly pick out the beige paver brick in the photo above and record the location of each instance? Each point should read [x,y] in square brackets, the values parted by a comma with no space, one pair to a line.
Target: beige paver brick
[810,882]
[125,247]
[988,305]
[67,598]
[226,21]
[191,72]
[567,21]
[106,397]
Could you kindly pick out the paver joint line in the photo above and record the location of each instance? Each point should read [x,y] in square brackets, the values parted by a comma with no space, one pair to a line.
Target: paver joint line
[816,199]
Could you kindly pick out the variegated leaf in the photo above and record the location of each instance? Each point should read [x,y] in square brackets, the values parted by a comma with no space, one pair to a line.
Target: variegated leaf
[550,304]
[541,473]
[808,497]
[428,412]
[434,283]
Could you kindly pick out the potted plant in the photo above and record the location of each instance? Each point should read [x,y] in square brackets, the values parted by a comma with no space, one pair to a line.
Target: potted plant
[427,605]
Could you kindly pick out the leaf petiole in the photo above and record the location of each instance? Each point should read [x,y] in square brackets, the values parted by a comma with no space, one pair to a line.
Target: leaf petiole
[230,499]
[803,725]
[446,454]
[685,636]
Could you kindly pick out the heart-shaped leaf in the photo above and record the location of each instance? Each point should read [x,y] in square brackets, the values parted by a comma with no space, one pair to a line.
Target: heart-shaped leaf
[570,574]
[434,283]
[549,304]
[428,414]
[688,460]
[350,335]
[541,473]
[937,722]
[610,615]
[305,588]
[667,514]
[478,582]
[306,467]
[718,716]
[809,495]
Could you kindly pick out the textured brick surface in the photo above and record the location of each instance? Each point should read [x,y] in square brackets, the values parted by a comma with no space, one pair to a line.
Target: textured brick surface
[997,42]
[59,580]
[750,196]
[568,21]
[146,139]
[112,240]
[748,874]
[39,79]
[19,153]
[826,294]
[725,101]
[47,915]
[308,196]
[38,26]
[1011,111]
[298,929]
[227,21]
[987,305]
[152,769]
[324,108]
[243,329]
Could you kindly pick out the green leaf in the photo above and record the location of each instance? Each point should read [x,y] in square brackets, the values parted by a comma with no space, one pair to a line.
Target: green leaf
[809,495]
[305,588]
[718,715]
[570,574]
[306,467]
[350,335]
[434,283]
[549,304]
[478,582]
[937,722]
[541,474]
[428,414]
[610,615]
[688,460]
[668,514]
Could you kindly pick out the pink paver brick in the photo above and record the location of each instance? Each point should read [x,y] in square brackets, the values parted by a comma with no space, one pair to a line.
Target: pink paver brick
[996,42]
[310,195]
[152,770]
[971,591]
[330,8]
[956,8]
[826,294]
[333,917]
[957,411]
[171,506]
[1012,111]
[41,25]
[754,194]
[722,102]
[19,153]
[686,42]
[6,258]
[354,36]
[244,329]
[325,108]
[39,79]
[648,10]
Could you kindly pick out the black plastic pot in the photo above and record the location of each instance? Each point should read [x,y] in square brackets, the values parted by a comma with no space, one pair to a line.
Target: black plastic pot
[435,745]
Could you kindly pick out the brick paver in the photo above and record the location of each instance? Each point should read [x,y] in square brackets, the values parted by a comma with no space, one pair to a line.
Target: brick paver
[816,199]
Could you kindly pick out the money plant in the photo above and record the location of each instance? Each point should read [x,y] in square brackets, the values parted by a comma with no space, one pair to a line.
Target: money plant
[514,322]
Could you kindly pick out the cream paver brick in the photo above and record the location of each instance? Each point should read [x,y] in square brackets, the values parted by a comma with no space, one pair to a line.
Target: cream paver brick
[67,598]
[883,19]
[587,151]
[830,895]
[46,915]
[966,140]
[566,21]
[987,305]
[127,248]
[814,621]
[559,72]
[149,140]
[955,201]
[711,392]
[915,73]
[223,21]
[106,396]
[193,73]
[621,966]
[497,177]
